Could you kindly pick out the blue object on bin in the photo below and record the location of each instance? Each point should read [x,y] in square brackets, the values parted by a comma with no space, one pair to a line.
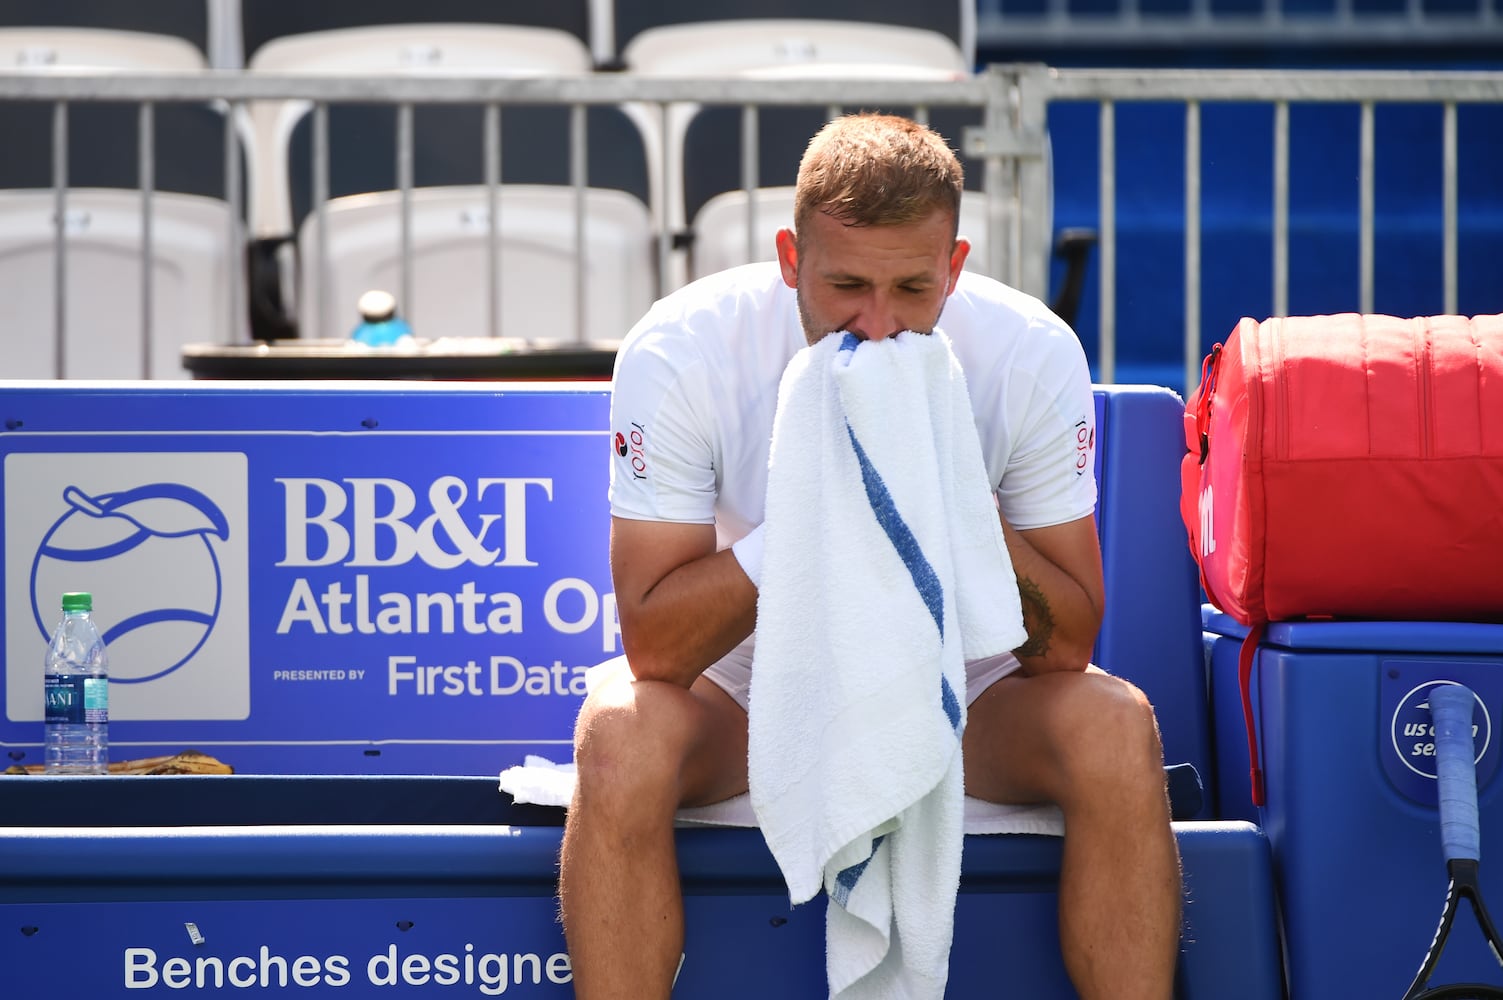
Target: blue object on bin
[379,326]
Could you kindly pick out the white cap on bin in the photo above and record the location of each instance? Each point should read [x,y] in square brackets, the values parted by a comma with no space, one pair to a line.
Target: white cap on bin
[377,305]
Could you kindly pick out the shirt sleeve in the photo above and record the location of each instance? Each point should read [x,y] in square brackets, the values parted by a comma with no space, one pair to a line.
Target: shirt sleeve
[662,436]
[1049,472]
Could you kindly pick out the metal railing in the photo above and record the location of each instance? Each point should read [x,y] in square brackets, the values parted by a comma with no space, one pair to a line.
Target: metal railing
[1195,89]
[1010,143]
[1013,173]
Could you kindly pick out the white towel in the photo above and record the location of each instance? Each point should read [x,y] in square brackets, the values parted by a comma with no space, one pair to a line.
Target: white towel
[540,781]
[884,570]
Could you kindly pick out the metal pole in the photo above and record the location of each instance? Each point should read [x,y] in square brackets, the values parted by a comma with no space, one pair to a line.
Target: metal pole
[671,168]
[1033,236]
[1366,211]
[1449,209]
[1107,348]
[998,181]
[1192,245]
[146,174]
[1281,208]
[60,239]
[408,307]
[750,151]
[493,217]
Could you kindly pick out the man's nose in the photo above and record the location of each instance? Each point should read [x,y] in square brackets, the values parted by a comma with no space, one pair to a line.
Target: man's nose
[878,319]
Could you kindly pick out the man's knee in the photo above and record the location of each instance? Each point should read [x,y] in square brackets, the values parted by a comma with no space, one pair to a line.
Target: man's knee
[1126,707]
[1116,734]
[632,736]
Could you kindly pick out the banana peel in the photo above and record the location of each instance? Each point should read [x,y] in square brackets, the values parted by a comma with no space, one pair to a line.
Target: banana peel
[184,762]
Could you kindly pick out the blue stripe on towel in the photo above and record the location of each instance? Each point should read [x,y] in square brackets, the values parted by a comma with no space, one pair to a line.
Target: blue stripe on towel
[848,877]
[929,587]
[901,536]
[951,703]
[907,546]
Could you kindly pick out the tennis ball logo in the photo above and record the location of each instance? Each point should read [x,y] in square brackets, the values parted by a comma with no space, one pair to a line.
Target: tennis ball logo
[147,555]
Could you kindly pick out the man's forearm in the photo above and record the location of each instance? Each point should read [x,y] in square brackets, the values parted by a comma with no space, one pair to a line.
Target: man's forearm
[689,619]
[1061,619]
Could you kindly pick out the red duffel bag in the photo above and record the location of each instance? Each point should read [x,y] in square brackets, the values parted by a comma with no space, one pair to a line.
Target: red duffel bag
[1348,467]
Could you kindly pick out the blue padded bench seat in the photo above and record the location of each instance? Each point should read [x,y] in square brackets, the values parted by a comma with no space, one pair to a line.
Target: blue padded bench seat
[116,901]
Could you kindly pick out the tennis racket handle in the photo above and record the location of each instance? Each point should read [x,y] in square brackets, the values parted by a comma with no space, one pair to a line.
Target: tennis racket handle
[1455,770]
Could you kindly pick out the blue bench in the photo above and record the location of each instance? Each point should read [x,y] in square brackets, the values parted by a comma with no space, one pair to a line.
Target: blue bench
[383,882]
[1151,630]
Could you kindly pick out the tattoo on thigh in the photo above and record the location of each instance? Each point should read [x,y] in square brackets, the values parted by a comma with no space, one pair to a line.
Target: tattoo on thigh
[1038,619]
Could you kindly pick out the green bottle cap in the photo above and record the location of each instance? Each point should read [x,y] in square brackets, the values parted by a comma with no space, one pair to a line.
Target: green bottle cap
[77,601]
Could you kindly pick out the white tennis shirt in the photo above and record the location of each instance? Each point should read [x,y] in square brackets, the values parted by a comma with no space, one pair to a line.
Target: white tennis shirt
[696,387]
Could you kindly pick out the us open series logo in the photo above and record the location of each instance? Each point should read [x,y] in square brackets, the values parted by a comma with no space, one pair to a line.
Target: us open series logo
[159,540]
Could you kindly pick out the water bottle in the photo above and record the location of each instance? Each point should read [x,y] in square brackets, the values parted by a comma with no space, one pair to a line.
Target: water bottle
[77,693]
[379,325]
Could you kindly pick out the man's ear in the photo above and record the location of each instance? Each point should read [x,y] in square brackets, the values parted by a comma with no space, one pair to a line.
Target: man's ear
[957,261]
[787,244]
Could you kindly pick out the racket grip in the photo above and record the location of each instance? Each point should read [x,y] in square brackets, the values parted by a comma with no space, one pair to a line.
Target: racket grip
[1455,771]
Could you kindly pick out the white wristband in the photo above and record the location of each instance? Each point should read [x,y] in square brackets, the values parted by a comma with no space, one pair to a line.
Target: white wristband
[748,552]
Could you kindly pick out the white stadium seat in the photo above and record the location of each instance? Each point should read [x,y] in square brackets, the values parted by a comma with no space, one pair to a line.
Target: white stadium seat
[191,236]
[450,235]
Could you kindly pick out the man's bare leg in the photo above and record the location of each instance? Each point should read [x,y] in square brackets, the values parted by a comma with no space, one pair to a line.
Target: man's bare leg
[1090,743]
[642,749]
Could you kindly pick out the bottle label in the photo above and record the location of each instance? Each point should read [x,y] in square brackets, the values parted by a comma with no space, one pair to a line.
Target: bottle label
[64,694]
[96,700]
[72,699]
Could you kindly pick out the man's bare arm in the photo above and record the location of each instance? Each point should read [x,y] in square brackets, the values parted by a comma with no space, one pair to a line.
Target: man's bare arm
[1060,583]
[682,604]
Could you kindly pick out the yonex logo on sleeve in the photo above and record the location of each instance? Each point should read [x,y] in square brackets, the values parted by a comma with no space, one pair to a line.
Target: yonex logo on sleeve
[1085,444]
[631,447]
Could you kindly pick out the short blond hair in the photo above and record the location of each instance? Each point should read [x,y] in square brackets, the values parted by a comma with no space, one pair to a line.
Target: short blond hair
[877,170]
